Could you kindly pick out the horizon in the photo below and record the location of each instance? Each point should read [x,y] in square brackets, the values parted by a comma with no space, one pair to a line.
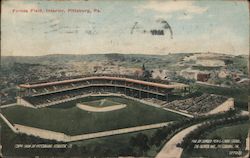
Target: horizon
[219,53]
[36,28]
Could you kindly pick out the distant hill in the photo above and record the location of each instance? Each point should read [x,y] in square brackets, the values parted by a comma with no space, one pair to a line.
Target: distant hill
[171,61]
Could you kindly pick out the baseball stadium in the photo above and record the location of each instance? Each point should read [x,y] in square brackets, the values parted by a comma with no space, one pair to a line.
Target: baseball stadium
[97,106]
[64,110]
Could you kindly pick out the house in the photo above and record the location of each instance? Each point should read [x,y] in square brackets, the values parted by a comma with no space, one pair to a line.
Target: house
[202,76]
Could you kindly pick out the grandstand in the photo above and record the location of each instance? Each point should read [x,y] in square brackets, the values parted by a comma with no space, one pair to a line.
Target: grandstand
[49,93]
[197,105]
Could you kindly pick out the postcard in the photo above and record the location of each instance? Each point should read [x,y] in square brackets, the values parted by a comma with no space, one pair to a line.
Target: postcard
[119,78]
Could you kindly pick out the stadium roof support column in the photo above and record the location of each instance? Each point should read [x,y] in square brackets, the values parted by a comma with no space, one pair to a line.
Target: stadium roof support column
[167,97]
[157,96]
[140,94]
[148,92]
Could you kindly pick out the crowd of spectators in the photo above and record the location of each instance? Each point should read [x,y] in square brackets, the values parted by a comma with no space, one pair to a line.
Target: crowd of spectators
[108,75]
[52,97]
[197,105]
[69,94]
[155,101]
[95,82]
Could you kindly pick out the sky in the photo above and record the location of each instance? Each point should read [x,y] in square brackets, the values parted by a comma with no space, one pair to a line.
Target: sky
[123,26]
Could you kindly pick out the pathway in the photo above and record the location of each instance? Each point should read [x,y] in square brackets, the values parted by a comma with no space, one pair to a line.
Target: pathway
[170,150]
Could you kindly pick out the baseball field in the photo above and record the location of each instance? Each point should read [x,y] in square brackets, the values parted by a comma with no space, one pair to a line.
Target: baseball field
[71,120]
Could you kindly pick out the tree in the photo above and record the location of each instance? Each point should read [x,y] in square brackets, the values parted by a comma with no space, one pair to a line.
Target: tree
[140,141]
[147,75]
[126,151]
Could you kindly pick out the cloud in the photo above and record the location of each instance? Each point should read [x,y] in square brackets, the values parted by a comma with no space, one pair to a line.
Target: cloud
[219,39]
[172,6]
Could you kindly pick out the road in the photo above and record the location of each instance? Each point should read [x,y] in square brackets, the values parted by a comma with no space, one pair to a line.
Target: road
[170,150]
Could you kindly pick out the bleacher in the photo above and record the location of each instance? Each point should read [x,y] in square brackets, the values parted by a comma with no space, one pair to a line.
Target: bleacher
[94,82]
[197,105]
[64,95]
[110,75]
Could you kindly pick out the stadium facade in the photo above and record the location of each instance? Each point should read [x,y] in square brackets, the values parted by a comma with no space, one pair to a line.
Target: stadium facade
[49,93]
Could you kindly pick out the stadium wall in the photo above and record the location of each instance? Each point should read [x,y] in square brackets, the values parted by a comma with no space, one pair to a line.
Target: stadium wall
[42,133]
[76,97]
[21,101]
[9,124]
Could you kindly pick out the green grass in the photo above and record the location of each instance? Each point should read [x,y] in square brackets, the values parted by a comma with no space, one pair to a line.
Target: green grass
[101,103]
[117,142]
[69,119]
[114,143]
[234,131]
[205,68]
[240,63]
[9,139]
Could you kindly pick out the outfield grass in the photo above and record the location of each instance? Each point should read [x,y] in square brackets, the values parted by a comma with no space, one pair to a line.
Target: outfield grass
[69,119]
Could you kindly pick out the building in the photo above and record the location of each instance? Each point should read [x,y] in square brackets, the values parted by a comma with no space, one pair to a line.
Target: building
[47,93]
[203,77]
[197,75]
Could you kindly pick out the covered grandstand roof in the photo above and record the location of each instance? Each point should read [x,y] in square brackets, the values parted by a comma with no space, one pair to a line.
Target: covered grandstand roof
[160,85]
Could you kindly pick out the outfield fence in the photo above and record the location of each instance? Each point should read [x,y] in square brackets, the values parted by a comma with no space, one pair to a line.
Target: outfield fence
[8,123]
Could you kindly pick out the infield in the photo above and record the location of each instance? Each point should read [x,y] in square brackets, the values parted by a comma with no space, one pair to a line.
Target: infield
[101,103]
